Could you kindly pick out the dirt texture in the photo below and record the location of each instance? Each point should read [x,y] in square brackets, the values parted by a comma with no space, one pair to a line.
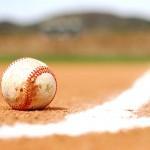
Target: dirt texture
[80,86]
[137,139]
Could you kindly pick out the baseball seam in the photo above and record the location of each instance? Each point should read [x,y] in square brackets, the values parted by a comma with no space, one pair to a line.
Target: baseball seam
[29,89]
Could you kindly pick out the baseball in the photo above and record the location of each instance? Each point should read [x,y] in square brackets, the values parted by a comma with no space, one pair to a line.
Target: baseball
[28,84]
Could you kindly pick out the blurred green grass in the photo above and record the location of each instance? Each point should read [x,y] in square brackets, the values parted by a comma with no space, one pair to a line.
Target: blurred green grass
[81,58]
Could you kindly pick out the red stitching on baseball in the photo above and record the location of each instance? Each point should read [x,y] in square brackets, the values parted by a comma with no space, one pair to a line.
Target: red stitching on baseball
[29,91]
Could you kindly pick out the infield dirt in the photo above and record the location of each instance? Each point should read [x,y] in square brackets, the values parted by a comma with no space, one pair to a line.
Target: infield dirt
[80,86]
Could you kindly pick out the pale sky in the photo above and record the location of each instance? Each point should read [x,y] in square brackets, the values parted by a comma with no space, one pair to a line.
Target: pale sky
[28,11]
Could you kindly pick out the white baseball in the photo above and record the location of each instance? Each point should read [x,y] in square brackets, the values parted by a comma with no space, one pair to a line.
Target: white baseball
[28,84]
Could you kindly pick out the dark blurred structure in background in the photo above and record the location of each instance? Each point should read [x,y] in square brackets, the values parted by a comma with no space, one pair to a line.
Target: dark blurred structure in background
[77,34]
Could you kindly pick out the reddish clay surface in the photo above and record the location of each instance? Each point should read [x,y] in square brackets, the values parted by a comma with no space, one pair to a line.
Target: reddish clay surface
[130,140]
[80,86]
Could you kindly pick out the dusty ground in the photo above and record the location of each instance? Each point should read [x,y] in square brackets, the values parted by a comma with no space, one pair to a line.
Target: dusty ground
[132,140]
[80,86]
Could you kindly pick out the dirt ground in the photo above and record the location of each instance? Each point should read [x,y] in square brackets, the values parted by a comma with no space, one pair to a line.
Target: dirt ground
[80,86]
[132,140]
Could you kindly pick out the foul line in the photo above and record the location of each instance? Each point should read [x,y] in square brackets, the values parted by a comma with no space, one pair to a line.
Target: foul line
[110,117]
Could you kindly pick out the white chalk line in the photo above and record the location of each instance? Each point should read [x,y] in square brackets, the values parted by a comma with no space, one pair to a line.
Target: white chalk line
[110,117]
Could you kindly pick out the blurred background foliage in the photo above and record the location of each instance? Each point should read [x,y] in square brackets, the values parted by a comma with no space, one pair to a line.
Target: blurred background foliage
[84,36]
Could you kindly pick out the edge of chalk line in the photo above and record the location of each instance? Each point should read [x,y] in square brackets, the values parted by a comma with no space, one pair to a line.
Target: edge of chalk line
[111,116]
